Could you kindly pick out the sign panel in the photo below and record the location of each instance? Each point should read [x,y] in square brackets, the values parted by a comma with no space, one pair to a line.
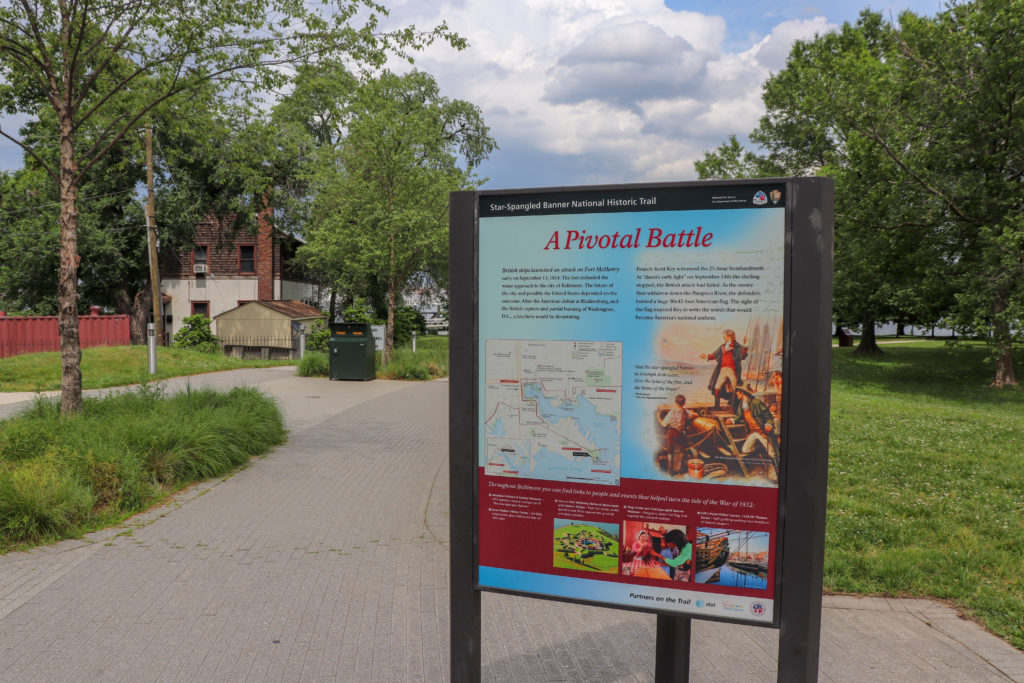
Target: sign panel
[630,364]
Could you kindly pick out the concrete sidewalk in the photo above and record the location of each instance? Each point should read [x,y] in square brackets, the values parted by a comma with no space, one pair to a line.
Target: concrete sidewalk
[327,560]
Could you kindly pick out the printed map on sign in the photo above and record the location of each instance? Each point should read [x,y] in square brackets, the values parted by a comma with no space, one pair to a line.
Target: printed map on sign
[553,410]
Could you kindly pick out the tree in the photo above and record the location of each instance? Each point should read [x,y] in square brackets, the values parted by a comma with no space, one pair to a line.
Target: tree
[101,68]
[381,204]
[819,109]
[966,68]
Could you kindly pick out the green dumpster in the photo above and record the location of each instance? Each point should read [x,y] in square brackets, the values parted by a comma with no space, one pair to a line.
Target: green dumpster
[352,352]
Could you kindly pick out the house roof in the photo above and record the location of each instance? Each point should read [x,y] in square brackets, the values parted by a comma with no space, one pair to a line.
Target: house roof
[290,307]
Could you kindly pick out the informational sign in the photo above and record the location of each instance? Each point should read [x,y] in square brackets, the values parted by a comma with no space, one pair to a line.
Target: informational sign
[378,332]
[630,396]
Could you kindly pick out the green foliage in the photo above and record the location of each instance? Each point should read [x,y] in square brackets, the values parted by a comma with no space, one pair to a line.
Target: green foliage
[380,212]
[318,336]
[92,74]
[919,122]
[314,364]
[360,311]
[196,334]
[120,454]
[407,321]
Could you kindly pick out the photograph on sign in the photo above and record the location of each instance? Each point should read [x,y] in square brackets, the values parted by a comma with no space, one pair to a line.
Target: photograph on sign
[630,396]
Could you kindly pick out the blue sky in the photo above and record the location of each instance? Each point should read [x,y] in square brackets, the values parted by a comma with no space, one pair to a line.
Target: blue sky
[610,91]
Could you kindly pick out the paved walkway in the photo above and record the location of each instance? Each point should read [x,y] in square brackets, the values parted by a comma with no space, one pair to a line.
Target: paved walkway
[327,560]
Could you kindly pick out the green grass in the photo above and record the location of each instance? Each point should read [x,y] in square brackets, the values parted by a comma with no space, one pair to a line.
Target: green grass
[597,562]
[926,481]
[429,362]
[114,366]
[61,477]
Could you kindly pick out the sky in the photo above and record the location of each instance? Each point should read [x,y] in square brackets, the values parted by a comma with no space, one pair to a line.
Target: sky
[580,92]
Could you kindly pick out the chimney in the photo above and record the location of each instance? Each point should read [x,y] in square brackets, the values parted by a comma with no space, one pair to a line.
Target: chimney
[265,254]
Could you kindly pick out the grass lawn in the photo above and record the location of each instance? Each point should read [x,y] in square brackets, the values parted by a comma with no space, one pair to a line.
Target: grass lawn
[112,366]
[926,481]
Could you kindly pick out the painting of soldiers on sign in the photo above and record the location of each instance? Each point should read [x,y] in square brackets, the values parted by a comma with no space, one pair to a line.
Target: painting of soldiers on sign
[723,423]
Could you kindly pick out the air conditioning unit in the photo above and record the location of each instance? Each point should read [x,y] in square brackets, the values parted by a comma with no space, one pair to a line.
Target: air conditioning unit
[199,268]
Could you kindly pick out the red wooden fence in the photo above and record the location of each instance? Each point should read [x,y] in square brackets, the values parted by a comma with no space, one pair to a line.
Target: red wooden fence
[34,333]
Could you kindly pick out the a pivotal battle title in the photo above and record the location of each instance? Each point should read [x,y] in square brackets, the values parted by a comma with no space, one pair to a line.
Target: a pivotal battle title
[651,238]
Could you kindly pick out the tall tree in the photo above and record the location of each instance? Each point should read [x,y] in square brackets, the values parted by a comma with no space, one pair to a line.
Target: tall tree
[103,67]
[819,109]
[382,203]
[965,68]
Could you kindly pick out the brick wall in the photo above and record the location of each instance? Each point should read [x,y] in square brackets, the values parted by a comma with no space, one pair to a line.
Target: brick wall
[222,253]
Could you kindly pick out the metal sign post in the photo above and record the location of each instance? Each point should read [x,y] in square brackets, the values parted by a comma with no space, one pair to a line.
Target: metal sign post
[640,380]
[151,343]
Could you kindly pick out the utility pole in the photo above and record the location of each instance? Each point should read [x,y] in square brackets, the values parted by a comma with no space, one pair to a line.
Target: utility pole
[154,267]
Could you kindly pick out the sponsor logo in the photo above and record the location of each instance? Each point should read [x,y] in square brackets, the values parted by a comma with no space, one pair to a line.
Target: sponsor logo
[775,195]
[704,603]
[757,609]
[760,198]
[700,603]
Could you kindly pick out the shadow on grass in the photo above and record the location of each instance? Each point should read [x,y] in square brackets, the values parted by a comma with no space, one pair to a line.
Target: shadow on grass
[930,369]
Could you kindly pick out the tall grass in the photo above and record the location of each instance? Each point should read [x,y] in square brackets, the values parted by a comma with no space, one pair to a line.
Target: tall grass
[61,476]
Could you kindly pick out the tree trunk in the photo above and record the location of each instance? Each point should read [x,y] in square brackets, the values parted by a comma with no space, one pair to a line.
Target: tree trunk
[67,275]
[389,336]
[868,345]
[1004,350]
[333,305]
[142,306]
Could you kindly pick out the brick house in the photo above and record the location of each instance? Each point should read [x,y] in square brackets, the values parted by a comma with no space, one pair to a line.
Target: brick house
[225,269]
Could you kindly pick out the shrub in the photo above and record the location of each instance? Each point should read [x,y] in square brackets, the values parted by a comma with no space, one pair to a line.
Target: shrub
[360,311]
[318,336]
[196,332]
[314,364]
[408,320]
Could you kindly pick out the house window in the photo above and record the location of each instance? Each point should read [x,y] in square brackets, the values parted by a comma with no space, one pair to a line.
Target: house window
[246,258]
[201,307]
[200,257]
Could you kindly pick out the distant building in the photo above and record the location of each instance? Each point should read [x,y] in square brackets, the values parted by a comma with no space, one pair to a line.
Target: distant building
[226,268]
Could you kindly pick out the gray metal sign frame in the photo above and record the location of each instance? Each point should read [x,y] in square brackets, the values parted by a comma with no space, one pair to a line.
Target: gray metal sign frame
[804,464]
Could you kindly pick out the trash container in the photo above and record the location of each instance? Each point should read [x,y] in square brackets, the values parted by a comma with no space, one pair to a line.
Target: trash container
[352,352]
[845,337]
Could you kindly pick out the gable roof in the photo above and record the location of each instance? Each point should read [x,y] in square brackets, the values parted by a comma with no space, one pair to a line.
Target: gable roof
[289,307]
[292,308]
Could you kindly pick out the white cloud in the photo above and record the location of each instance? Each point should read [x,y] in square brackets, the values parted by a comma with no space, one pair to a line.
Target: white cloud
[615,91]
[773,49]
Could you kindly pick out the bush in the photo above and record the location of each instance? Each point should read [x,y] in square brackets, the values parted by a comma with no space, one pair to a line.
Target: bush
[314,364]
[360,311]
[196,332]
[408,320]
[318,336]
